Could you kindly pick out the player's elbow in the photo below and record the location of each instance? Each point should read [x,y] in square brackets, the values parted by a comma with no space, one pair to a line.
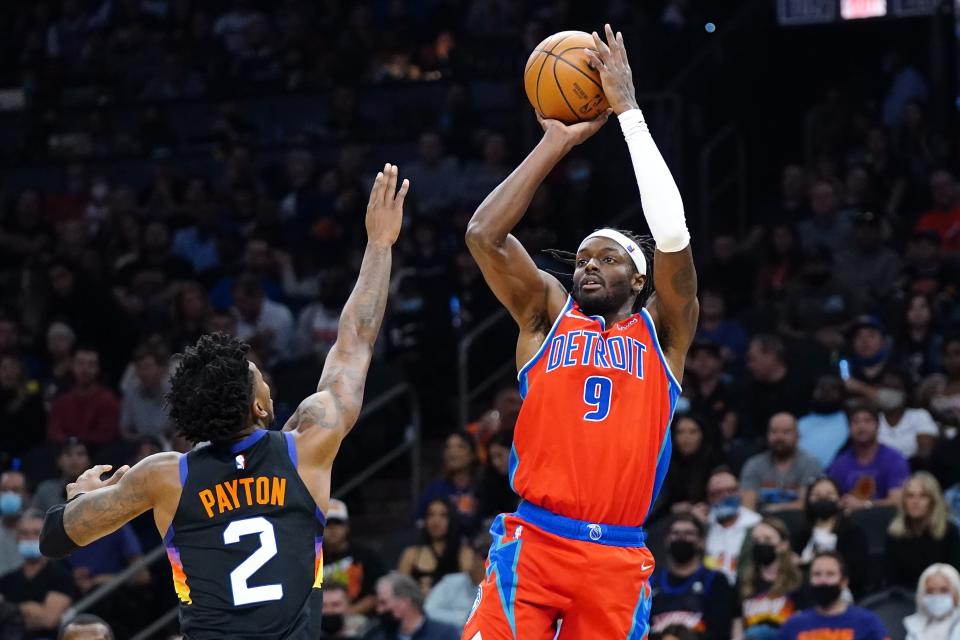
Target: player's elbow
[480,235]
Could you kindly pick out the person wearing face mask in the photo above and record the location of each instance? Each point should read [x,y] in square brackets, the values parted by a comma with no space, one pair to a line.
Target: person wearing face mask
[832,616]
[337,621]
[823,431]
[938,613]
[13,499]
[400,613]
[727,520]
[910,431]
[768,581]
[686,593]
[40,588]
[920,534]
[825,528]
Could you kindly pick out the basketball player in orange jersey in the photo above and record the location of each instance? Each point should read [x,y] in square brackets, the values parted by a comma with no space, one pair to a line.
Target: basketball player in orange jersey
[598,370]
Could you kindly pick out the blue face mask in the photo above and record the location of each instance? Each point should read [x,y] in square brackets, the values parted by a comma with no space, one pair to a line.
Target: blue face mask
[727,508]
[29,549]
[10,503]
[683,406]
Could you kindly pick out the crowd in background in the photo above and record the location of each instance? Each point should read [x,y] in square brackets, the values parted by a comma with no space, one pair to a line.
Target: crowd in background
[821,399]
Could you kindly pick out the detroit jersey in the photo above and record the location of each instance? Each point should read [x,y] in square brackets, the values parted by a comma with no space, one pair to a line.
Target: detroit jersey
[245,542]
[592,441]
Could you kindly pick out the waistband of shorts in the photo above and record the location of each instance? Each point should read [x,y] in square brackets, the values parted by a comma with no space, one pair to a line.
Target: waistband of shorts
[597,533]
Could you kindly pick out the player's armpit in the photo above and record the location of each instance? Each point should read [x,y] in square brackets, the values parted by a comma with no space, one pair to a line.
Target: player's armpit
[675,306]
[102,511]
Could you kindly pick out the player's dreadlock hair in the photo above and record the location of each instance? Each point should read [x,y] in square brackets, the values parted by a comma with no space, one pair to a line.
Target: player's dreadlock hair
[647,246]
[211,391]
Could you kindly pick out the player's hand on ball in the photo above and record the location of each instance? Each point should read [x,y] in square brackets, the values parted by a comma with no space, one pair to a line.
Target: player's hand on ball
[610,59]
[385,209]
[90,480]
[572,134]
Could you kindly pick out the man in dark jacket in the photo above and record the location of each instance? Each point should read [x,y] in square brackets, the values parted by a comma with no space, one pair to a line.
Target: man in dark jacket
[400,612]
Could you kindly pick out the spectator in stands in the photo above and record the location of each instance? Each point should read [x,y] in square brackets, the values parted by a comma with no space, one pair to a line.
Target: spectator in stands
[458,482]
[942,392]
[21,408]
[265,324]
[781,266]
[926,269]
[190,313]
[693,459]
[354,566]
[676,632]
[824,431]
[400,611]
[144,408]
[437,172]
[869,473]
[728,523]
[317,322]
[199,243]
[451,599]
[14,498]
[99,562]
[869,356]
[828,226]
[150,274]
[912,432]
[768,581]
[715,327]
[777,479]
[441,550]
[88,411]
[867,265]
[826,528]
[60,344]
[818,305]
[86,626]
[728,270]
[938,597]
[337,620]
[42,589]
[501,417]
[831,615]
[921,533]
[685,592]
[494,494]
[944,217]
[918,346]
[73,460]
[710,388]
[791,205]
[772,388]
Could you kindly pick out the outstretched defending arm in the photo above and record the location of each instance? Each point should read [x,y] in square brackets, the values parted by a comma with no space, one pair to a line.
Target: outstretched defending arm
[674,305]
[325,418]
[530,295]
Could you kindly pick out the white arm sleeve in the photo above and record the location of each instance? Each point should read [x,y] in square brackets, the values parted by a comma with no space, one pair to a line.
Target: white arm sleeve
[662,204]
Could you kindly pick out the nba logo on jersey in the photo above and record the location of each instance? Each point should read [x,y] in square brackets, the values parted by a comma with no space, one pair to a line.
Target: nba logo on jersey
[241,462]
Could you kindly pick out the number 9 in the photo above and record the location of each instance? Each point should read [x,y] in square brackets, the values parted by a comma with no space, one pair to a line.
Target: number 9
[597,392]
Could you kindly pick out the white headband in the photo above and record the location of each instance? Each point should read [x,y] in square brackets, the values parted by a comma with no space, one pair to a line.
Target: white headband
[633,250]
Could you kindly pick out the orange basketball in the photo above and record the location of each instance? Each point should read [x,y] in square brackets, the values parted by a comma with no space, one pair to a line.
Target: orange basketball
[559,81]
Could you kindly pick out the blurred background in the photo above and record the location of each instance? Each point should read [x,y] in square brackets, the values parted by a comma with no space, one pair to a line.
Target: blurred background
[172,167]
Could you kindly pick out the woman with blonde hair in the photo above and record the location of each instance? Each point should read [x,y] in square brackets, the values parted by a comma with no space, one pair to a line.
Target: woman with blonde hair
[768,579]
[920,534]
[938,613]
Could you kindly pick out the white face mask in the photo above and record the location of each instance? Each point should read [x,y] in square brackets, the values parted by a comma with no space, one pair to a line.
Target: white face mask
[938,605]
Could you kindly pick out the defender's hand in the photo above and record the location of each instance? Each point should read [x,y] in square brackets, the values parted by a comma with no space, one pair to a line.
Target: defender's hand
[610,59]
[570,135]
[385,209]
[90,480]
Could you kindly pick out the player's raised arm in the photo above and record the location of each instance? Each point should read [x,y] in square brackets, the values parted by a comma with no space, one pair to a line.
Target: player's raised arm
[325,417]
[96,508]
[674,305]
[530,295]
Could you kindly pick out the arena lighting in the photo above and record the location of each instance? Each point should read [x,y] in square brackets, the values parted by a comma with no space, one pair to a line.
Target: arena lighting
[855,9]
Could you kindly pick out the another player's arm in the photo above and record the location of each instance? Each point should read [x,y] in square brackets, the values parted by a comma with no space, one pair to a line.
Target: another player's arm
[674,306]
[97,508]
[530,295]
[324,418]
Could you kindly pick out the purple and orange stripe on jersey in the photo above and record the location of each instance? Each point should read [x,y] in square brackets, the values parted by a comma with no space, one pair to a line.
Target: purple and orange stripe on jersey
[318,551]
[173,554]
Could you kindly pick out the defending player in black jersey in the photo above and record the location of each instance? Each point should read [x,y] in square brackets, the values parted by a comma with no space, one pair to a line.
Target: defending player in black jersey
[242,517]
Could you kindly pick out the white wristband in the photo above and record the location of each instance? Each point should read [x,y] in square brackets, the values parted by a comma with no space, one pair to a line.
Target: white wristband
[662,204]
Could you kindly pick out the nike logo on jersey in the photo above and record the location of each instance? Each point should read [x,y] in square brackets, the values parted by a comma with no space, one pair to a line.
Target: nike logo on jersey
[243,492]
[645,567]
[586,348]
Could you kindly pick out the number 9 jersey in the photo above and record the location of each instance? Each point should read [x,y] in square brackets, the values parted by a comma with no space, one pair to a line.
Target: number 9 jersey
[245,542]
[592,441]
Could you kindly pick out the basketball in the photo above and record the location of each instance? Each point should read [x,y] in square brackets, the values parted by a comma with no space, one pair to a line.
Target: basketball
[559,81]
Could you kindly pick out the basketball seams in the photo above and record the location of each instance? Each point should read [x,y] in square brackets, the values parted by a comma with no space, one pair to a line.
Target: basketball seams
[537,85]
[562,95]
[556,48]
[586,75]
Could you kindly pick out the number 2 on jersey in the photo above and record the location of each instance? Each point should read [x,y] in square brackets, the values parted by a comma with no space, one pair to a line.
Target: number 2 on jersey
[242,594]
[597,391]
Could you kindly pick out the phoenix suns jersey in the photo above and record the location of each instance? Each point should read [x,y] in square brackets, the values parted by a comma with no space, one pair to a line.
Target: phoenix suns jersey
[592,441]
[245,542]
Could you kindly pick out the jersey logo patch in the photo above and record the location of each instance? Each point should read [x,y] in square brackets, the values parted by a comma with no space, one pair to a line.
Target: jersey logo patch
[241,461]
